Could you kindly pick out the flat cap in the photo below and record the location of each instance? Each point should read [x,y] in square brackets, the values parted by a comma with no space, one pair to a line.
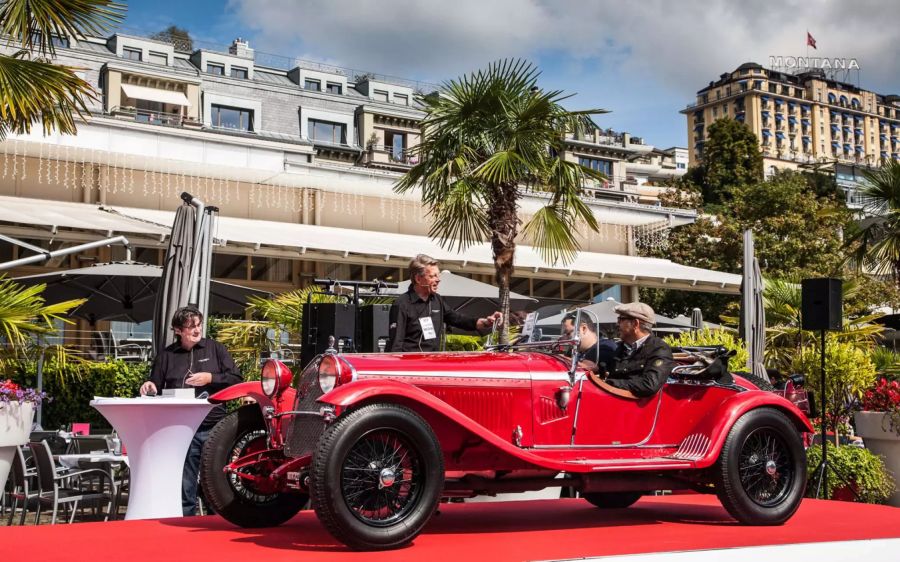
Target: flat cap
[639,310]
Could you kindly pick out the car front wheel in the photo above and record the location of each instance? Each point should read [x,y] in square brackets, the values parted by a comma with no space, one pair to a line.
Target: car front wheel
[236,499]
[377,477]
[762,469]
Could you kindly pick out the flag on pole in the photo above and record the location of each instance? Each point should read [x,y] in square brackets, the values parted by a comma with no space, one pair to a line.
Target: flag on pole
[810,40]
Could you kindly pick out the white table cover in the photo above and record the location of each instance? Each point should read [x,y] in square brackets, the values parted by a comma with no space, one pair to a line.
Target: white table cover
[156,432]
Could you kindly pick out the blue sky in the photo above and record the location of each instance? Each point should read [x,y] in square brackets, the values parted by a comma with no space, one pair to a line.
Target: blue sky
[643,61]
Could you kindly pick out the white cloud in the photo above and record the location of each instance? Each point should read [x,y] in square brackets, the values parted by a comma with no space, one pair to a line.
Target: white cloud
[684,43]
[671,48]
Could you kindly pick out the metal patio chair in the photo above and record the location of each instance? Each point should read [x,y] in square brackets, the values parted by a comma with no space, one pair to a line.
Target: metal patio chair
[22,494]
[81,488]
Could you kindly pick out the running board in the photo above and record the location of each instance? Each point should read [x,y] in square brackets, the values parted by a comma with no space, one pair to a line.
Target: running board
[652,463]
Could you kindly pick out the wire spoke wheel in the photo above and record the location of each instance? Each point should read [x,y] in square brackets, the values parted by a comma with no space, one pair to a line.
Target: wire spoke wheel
[248,443]
[376,477]
[381,478]
[765,469]
[761,471]
[254,502]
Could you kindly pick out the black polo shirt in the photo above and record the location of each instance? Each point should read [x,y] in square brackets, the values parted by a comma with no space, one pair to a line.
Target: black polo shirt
[406,330]
[170,370]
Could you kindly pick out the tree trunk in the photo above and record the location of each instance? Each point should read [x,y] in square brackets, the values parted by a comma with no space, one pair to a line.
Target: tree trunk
[504,223]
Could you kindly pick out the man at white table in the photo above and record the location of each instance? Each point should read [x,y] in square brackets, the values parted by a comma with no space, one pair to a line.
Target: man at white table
[201,363]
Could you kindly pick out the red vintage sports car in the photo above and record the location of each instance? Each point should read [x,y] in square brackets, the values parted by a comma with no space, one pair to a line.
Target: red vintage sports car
[375,441]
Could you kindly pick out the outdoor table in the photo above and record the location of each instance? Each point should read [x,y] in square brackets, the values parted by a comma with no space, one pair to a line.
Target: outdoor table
[74,461]
[157,432]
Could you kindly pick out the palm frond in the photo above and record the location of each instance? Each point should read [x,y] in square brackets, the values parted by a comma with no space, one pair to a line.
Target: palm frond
[32,23]
[33,91]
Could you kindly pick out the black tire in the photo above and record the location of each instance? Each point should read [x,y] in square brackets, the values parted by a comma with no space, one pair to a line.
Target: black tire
[356,489]
[230,496]
[612,500]
[761,471]
[760,382]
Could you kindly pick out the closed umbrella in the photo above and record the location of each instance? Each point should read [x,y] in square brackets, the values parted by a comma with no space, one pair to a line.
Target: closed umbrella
[753,313]
[696,319]
[174,285]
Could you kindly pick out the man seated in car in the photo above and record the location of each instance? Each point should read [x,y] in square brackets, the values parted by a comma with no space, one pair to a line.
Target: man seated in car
[642,361]
[595,353]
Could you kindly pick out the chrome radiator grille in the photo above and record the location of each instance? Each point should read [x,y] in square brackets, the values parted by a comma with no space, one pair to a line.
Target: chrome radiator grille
[304,431]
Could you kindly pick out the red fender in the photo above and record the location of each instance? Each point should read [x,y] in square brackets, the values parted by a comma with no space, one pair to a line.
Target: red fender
[347,395]
[253,389]
[719,423]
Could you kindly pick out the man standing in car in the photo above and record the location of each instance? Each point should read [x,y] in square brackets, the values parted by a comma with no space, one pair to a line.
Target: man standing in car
[642,361]
[418,316]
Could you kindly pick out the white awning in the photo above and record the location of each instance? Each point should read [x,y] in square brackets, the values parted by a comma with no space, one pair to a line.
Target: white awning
[53,215]
[334,244]
[155,94]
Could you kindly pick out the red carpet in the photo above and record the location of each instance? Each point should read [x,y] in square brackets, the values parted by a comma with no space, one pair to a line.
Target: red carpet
[532,530]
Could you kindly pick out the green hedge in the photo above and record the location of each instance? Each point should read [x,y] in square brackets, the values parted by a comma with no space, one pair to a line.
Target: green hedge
[71,392]
[464,343]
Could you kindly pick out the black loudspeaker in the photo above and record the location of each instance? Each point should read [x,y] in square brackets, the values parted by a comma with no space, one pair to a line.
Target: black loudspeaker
[822,304]
[373,326]
[322,320]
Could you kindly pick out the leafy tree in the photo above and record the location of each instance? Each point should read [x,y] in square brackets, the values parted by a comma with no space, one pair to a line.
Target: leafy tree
[32,89]
[795,232]
[731,158]
[176,36]
[490,135]
[875,245]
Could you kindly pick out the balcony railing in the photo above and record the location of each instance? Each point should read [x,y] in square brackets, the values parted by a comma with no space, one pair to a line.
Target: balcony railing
[152,117]
[385,154]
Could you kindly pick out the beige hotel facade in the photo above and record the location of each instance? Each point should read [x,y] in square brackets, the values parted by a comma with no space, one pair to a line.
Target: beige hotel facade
[803,118]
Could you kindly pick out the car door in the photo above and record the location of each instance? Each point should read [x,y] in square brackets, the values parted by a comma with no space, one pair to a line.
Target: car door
[604,419]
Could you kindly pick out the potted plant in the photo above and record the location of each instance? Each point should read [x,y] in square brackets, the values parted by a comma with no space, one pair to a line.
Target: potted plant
[16,415]
[879,425]
[867,479]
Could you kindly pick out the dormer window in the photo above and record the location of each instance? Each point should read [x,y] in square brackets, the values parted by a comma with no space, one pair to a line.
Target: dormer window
[238,72]
[132,54]
[402,99]
[215,69]
[313,85]
[380,95]
[158,58]
[334,88]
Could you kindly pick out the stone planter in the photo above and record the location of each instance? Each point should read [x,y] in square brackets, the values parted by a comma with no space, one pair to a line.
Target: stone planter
[15,427]
[881,442]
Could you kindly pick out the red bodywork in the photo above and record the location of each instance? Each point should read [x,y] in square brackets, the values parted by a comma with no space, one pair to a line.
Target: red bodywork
[501,414]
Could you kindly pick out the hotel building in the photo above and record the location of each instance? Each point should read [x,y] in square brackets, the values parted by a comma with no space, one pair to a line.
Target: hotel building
[804,119]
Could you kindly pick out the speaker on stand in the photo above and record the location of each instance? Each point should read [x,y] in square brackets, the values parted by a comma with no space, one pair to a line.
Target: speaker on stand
[821,310]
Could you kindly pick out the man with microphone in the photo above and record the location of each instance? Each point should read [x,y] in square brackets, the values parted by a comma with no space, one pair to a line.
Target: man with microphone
[418,316]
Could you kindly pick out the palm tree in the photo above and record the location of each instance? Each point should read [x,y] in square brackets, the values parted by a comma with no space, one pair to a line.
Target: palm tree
[784,336]
[32,89]
[488,137]
[24,317]
[875,244]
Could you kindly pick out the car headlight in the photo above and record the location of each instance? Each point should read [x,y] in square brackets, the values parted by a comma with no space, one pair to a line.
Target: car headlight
[329,373]
[275,377]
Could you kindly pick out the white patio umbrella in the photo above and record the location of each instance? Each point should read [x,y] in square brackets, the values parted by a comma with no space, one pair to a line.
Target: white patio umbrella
[605,313]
